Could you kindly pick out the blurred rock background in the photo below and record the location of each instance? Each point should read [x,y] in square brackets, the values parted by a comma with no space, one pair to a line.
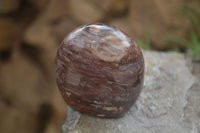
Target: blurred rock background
[30,33]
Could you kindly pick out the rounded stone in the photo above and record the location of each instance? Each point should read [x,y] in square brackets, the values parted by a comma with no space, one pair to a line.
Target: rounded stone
[99,70]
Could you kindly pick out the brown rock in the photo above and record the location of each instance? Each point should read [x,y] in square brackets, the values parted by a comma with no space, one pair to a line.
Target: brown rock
[28,81]
[57,9]
[44,35]
[8,6]
[40,32]
[59,109]
[115,7]
[14,120]
[123,24]
[52,128]
[51,10]
[85,11]
[41,36]
[23,84]
[9,34]
[40,4]
[63,27]
[160,17]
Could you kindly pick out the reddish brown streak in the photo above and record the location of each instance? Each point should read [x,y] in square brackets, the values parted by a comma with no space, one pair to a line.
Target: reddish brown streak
[99,70]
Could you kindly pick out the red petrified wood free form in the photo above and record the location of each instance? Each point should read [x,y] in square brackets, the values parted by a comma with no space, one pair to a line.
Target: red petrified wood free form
[99,70]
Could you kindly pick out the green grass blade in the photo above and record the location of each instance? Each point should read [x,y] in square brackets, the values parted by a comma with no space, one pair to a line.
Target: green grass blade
[198,1]
[146,42]
[195,45]
[178,40]
[143,45]
[148,38]
[193,10]
[192,19]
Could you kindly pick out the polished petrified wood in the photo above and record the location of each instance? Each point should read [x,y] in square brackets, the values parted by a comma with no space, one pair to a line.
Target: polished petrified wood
[99,70]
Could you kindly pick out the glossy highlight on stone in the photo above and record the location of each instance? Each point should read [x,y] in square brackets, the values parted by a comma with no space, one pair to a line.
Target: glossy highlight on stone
[99,70]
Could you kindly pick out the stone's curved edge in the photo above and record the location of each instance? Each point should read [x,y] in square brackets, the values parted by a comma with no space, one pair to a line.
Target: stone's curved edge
[71,120]
[90,79]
